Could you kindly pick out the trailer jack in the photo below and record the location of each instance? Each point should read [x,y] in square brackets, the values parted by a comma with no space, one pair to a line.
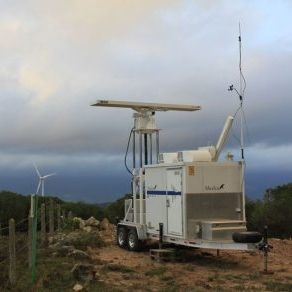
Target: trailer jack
[265,247]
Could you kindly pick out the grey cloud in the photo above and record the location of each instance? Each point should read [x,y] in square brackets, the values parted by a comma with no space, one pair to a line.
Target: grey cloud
[58,57]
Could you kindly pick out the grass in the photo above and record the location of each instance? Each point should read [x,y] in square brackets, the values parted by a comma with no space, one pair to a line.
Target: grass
[278,286]
[190,268]
[156,272]
[91,239]
[117,268]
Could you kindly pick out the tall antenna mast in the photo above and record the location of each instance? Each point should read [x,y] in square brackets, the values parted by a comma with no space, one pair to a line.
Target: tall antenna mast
[240,93]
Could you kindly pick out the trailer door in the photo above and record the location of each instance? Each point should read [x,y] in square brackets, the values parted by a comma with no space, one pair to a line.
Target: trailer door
[174,201]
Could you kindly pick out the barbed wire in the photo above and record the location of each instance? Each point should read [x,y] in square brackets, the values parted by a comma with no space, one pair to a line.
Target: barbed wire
[3,261]
[4,228]
[21,249]
[21,221]
[4,248]
[16,224]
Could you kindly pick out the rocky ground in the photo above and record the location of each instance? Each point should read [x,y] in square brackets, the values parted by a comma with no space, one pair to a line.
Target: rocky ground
[111,267]
[87,259]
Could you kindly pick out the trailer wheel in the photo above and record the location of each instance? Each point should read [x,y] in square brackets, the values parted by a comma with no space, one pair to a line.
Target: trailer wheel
[122,237]
[134,244]
[247,237]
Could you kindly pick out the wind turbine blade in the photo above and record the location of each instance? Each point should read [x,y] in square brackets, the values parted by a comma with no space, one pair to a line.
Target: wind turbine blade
[37,171]
[51,174]
[38,188]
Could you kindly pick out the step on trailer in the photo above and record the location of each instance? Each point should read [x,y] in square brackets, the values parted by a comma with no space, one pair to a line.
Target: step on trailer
[187,198]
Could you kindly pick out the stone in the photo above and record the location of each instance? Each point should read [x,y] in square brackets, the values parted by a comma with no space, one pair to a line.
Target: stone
[77,287]
[83,272]
[104,224]
[78,254]
[78,222]
[92,222]
[87,229]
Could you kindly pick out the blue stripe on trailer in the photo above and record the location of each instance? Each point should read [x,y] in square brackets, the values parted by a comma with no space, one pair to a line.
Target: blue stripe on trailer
[163,193]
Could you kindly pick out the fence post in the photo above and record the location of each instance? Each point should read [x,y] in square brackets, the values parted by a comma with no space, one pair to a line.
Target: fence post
[34,215]
[29,243]
[63,218]
[51,218]
[43,225]
[59,217]
[70,215]
[12,256]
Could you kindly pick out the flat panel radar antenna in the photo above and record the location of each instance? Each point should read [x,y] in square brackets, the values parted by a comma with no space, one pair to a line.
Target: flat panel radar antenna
[146,106]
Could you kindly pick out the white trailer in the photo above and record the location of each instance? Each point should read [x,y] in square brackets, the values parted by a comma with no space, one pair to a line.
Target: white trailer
[187,198]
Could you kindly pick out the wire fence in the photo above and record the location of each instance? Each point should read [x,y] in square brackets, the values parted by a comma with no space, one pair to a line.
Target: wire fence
[16,244]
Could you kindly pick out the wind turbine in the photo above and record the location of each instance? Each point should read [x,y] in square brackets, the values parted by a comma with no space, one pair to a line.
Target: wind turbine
[42,180]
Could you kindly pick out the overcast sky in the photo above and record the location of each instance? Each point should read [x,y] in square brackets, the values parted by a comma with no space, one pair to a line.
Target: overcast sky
[57,57]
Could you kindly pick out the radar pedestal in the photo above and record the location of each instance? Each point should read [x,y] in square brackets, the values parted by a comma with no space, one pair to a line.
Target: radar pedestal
[145,135]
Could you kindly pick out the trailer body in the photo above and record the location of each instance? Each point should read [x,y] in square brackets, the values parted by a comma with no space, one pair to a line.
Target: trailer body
[200,204]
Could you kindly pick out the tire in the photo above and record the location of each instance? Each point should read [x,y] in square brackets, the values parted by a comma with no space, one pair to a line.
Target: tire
[134,244]
[122,237]
[247,237]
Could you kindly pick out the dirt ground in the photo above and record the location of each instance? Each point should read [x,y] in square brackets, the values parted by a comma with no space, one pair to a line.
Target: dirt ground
[200,270]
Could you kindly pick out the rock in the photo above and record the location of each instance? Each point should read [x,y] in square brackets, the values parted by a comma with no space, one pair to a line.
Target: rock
[104,224]
[83,272]
[92,222]
[79,222]
[78,254]
[87,229]
[77,287]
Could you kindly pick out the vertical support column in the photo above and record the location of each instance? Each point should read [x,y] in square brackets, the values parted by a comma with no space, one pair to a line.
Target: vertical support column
[12,252]
[135,198]
[134,149]
[141,191]
[51,218]
[151,150]
[29,241]
[43,225]
[140,149]
[157,146]
[145,149]
[58,217]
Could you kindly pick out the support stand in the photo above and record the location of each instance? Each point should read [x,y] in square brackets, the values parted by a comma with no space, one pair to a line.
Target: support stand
[265,247]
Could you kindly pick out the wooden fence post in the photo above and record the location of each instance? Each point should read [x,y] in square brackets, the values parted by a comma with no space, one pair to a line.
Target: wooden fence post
[29,243]
[63,218]
[59,217]
[51,218]
[43,225]
[12,252]
[70,215]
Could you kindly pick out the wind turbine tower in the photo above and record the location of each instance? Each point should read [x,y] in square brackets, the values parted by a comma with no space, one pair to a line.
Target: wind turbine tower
[42,180]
